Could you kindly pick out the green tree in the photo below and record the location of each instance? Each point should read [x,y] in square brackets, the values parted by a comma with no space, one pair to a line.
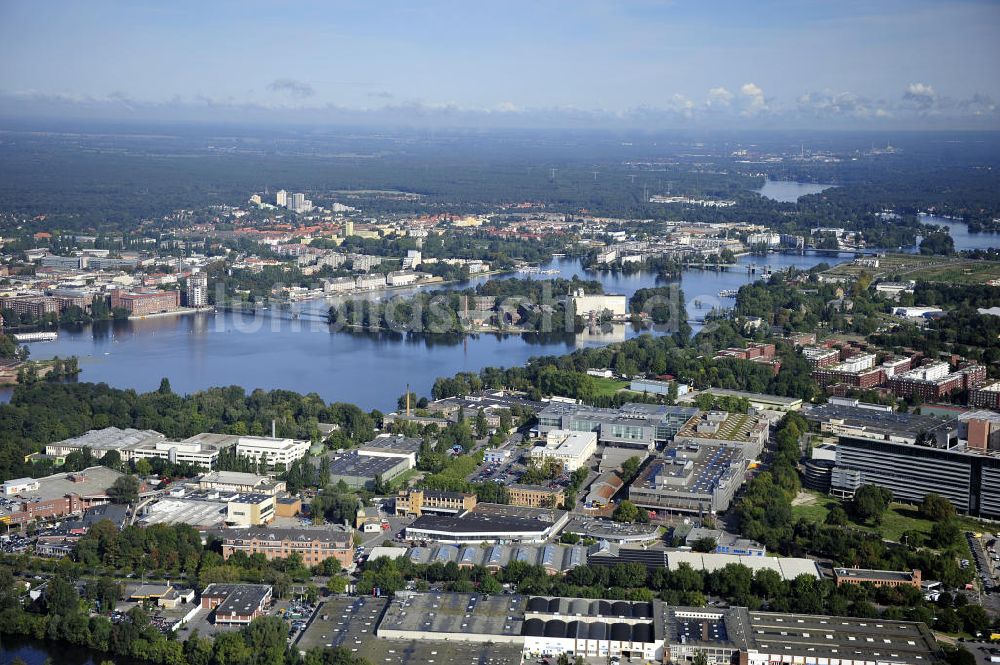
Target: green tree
[626,511]
[125,489]
[936,508]
[870,503]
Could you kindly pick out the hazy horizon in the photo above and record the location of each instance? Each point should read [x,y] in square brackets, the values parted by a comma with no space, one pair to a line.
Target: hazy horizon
[650,64]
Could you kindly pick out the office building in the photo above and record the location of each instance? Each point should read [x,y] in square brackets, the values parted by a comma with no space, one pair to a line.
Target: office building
[694,477]
[363,471]
[570,449]
[313,545]
[281,198]
[57,495]
[197,290]
[145,303]
[535,496]
[970,479]
[655,387]
[725,542]
[636,426]
[419,501]
[201,450]
[598,304]
[846,419]
[721,428]
[276,451]
[250,510]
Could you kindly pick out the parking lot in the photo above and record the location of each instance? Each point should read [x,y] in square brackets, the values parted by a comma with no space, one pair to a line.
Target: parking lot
[986,559]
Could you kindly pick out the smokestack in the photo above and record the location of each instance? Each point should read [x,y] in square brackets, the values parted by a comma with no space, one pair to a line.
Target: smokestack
[273,429]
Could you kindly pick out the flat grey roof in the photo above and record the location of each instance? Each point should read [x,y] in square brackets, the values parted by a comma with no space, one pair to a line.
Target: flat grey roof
[111,438]
[393,443]
[93,481]
[469,613]
[363,466]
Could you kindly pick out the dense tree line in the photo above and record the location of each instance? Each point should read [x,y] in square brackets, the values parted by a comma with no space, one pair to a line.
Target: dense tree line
[42,413]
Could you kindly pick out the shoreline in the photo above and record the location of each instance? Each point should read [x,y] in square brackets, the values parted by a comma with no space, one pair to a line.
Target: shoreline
[183,311]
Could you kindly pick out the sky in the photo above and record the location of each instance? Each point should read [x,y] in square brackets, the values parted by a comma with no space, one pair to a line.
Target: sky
[655,64]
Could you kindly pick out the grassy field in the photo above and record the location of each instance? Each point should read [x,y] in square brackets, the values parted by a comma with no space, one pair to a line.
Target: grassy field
[900,518]
[608,387]
[955,270]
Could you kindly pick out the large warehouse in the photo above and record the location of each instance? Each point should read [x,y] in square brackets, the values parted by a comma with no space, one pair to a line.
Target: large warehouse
[649,631]
[488,523]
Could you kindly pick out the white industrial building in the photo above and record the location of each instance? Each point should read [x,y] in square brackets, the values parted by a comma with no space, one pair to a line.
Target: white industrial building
[599,303]
[571,449]
[275,451]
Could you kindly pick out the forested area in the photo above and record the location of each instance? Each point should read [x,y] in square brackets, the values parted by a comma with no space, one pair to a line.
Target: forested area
[62,615]
[522,304]
[115,180]
[42,413]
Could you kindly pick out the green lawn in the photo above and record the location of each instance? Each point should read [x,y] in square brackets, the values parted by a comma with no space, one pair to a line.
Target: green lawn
[607,387]
[898,520]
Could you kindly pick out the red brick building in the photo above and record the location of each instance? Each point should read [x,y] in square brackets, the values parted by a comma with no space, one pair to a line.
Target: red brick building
[313,545]
[236,603]
[36,306]
[868,378]
[142,304]
[986,397]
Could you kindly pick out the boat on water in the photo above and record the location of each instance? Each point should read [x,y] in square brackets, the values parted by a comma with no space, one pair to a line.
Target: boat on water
[535,270]
[727,293]
[36,337]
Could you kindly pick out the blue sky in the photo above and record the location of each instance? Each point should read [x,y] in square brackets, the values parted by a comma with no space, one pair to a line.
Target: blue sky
[656,63]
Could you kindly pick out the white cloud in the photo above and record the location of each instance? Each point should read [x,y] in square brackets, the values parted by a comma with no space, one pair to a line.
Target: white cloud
[719,97]
[754,95]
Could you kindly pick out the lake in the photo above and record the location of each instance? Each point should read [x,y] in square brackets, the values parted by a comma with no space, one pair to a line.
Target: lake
[789,191]
[37,652]
[369,369]
[960,233]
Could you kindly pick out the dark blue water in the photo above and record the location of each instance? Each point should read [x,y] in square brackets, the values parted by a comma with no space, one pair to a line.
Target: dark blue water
[35,652]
